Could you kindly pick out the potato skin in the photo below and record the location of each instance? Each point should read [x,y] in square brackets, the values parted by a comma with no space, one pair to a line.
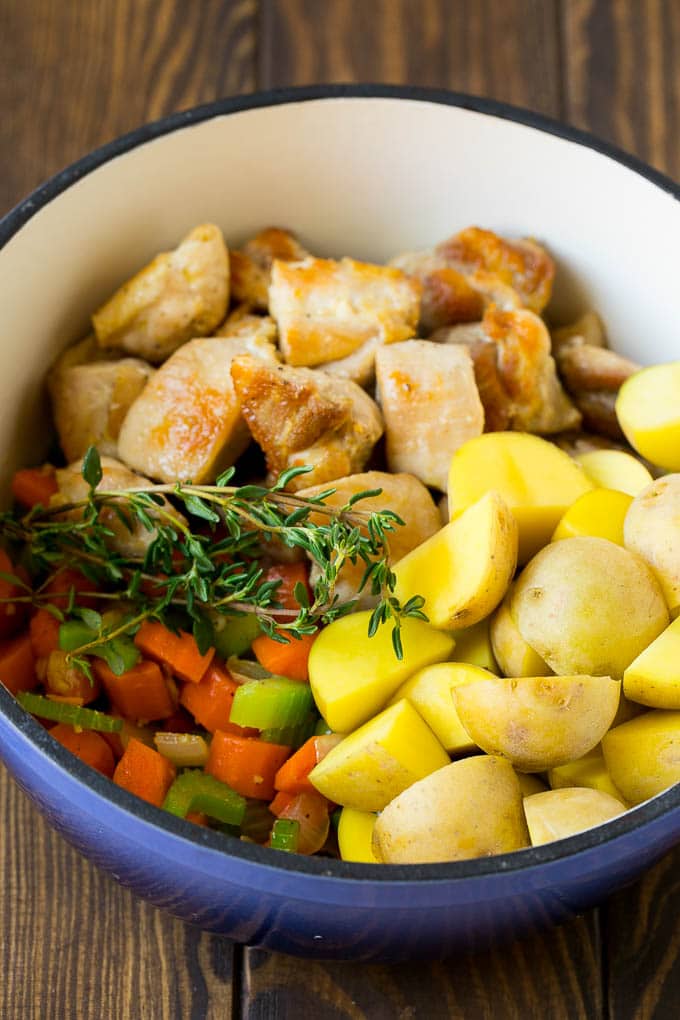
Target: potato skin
[643,755]
[513,654]
[537,722]
[472,808]
[557,814]
[554,599]
[651,530]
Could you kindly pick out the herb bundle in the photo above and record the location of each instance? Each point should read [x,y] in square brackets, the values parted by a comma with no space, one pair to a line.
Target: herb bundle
[203,557]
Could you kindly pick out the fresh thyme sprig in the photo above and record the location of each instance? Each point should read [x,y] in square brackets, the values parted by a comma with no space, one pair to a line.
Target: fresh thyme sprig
[203,558]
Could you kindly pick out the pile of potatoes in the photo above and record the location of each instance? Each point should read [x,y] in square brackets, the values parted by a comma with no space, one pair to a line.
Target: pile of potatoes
[540,699]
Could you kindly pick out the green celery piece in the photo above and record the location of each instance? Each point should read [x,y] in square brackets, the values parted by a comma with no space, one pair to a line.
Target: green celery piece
[275,702]
[257,821]
[234,634]
[291,736]
[194,790]
[285,835]
[75,715]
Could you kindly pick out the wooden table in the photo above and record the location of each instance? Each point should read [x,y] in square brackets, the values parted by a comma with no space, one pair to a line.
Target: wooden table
[75,73]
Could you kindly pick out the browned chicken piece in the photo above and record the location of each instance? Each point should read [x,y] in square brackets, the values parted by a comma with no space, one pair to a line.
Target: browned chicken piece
[430,404]
[261,326]
[523,265]
[90,401]
[251,265]
[593,376]
[180,295]
[359,367]
[300,417]
[327,310]
[589,327]
[400,492]
[527,373]
[448,297]
[495,399]
[576,443]
[85,352]
[115,477]
[187,424]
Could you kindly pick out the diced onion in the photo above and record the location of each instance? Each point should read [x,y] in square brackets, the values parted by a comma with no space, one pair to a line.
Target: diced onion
[186,750]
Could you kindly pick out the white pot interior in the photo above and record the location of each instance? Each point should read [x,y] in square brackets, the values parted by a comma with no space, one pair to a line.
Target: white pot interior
[362,176]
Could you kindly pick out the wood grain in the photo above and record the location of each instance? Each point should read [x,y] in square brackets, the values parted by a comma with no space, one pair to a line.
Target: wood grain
[74,75]
[76,945]
[508,50]
[621,61]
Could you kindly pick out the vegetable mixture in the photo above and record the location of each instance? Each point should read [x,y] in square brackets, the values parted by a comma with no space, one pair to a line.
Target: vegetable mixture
[353,559]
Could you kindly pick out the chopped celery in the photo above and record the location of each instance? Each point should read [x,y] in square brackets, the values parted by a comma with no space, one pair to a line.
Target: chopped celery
[285,835]
[75,715]
[257,821]
[197,791]
[233,635]
[290,736]
[276,702]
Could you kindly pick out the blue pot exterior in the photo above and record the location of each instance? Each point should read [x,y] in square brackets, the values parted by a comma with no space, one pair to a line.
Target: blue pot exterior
[181,869]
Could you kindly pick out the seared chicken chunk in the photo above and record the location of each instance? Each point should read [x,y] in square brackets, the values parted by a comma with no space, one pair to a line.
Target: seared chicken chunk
[523,265]
[180,295]
[85,352]
[359,367]
[187,424]
[431,406]
[300,417]
[447,298]
[241,323]
[251,265]
[73,488]
[593,376]
[326,310]
[402,493]
[90,401]
[589,327]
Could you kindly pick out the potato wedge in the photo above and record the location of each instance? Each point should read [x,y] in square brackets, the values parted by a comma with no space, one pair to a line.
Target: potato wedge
[599,513]
[586,605]
[537,481]
[590,771]
[371,766]
[654,677]
[352,675]
[530,784]
[615,469]
[643,755]
[471,808]
[355,836]
[464,570]
[537,723]
[429,691]
[557,814]
[651,530]
[648,409]
[514,656]
[473,645]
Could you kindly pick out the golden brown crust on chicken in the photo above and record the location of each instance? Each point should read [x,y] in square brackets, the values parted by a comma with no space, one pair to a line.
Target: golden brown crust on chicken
[90,401]
[589,327]
[403,494]
[326,310]
[251,265]
[300,417]
[448,298]
[431,406]
[523,265]
[244,324]
[187,424]
[180,295]
[72,488]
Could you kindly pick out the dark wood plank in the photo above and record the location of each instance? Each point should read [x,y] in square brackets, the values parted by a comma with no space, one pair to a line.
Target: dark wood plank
[621,78]
[555,976]
[74,75]
[508,50]
[75,944]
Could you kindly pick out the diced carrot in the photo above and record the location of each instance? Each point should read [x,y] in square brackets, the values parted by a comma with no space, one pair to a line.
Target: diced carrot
[141,693]
[246,764]
[115,743]
[290,659]
[289,574]
[210,702]
[44,630]
[70,578]
[280,802]
[311,811]
[12,614]
[177,651]
[197,817]
[87,745]
[292,777]
[31,486]
[144,772]
[17,664]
